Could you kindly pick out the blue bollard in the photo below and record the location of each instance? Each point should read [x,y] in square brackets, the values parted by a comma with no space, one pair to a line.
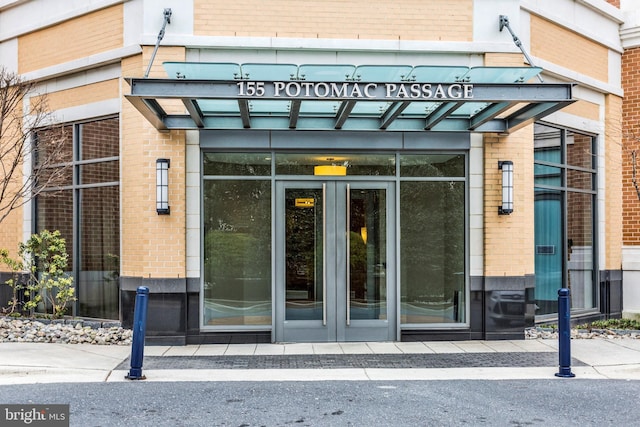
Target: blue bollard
[564,334]
[139,330]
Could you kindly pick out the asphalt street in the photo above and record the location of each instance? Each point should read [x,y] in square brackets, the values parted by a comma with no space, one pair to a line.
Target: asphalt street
[552,402]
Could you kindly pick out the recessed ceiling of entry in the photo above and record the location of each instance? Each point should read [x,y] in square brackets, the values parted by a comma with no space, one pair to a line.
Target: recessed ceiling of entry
[348,97]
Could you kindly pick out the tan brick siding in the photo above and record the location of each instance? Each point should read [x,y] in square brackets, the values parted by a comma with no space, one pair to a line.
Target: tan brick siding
[629,128]
[585,109]
[449,20]
[613,177]
[77,38]
[568,49]
[82,95]
[509,239]
[11,233]
[504,60]
[155,246]
[11,227]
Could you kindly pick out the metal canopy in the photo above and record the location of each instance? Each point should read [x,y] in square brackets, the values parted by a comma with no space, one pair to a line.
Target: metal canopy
[347,97]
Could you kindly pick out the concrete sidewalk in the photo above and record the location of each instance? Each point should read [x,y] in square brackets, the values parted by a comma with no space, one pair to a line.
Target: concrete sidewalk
[28,363]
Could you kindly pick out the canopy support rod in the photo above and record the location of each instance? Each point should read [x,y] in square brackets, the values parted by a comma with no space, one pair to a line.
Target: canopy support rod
[167,20]
[504,22]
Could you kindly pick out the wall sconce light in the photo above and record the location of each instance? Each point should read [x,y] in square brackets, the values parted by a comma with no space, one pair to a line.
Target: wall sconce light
[507,187]
[162,186]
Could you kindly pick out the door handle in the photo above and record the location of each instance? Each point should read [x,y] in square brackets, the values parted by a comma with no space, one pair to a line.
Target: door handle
[348,257]
[324,254]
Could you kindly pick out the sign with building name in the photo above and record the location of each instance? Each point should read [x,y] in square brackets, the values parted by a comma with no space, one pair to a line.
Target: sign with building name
[355,90]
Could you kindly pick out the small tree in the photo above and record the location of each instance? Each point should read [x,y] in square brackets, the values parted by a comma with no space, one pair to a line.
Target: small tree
[45,256]
[18,127]
[43,264]
[15,304]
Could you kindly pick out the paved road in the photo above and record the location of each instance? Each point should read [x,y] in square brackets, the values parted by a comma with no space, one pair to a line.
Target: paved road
[552,402]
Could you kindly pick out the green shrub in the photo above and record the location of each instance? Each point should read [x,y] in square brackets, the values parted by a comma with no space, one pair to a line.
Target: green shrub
[43,260]
[612,324]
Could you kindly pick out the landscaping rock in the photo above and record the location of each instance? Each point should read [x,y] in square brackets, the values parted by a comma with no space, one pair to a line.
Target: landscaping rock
[72,331]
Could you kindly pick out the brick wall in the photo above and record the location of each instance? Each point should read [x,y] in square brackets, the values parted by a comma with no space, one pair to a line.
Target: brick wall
[81,95]
[76,38]
[586,109]
[155,244]
[449,20]
[629,127]
[568,49]
[613,182]
[508,239]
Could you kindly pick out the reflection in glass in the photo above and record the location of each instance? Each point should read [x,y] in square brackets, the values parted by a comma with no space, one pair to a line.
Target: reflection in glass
[100,139]
[98,277]
[368,254]
[54,211]
[356,164]
[432,165]
[237,252]
[580,250]
[94,173]
[304,254]
[432,252]
[245,164]
[87,216]
[580,180]
[548,249]
[580,150]
[564,222]
[547,175]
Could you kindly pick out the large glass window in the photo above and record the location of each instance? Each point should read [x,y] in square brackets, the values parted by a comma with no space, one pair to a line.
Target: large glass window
[432,240]
[86,210]
[237,240]
[565,177]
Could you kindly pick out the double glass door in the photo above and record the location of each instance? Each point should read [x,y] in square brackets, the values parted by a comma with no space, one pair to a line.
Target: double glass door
[335,274]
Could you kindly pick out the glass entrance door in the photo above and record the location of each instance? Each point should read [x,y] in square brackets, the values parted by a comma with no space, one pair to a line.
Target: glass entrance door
[334,265]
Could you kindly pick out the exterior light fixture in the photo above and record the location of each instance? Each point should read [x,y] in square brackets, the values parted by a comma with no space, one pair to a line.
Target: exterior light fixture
[507,187]
[335,170]
[162,186]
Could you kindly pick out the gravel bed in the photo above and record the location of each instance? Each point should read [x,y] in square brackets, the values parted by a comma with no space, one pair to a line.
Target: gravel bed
[68,331]
[75,331]
[549,333]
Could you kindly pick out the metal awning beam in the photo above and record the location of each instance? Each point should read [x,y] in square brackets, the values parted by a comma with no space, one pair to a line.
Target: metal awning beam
[392,113]
[441,113]
[294,114]
[243,105]
[489,113]
[150,110]
[343,113]
[533,112]
[194,111]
